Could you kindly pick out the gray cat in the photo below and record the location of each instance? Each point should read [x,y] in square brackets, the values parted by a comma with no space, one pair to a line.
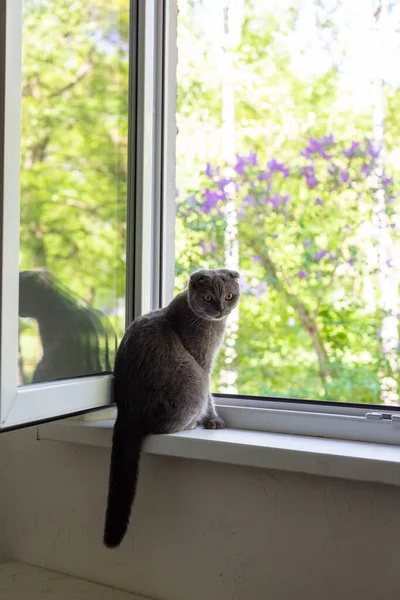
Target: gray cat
[162,380]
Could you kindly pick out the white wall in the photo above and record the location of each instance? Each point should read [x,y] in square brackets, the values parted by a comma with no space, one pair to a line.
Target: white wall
[200,531]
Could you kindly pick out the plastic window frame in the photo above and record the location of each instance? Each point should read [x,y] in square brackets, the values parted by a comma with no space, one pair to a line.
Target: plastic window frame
[29,404]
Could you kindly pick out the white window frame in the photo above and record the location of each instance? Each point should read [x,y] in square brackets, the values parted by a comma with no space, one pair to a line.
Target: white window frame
[38,402]
[359,422]
[150,252]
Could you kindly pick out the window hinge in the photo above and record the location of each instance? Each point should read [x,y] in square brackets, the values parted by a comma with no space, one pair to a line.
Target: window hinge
[377,416]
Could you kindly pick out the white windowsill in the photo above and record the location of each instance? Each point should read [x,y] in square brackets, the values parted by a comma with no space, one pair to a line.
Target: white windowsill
[317,456]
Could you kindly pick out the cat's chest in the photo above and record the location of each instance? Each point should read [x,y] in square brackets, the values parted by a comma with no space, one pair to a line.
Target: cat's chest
[205,347]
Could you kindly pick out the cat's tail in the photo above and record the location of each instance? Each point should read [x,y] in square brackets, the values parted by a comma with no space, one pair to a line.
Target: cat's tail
[124,471]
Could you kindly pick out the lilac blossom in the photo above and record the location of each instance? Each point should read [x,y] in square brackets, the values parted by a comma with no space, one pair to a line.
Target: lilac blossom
[211,199]
[320,254]
[257,258]
[307,243]
[249,201]
[344,176]
[328,140]
[366,169]
[276,201]
[318,147]
[303,274]
[353,150]
[319,202]
[309,172]
[389,263]
[209,171]
[240,166]
[372,151]
[351,261]
[311,181]
[253,159]
[387,181]
[275,166]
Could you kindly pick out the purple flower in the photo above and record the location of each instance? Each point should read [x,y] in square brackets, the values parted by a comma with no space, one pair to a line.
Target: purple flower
[249,201]
[303,274]
[276,166]
[319,202]
[372,151]
[223,182]
[328,140]
[389,263]
[240,166]
[276,201]
[210,200]
[320,254]
[306,153]
[351,262]
[275,236]
[307,243]
[393,225]
[263,176]
[366,169]
[253,159]
[344,176]
[240,214]
[352,151]
[213,247]
[208,171]
[332,256]
[386,181]
[311,181]
[309,172]
[256,258]
[318,147]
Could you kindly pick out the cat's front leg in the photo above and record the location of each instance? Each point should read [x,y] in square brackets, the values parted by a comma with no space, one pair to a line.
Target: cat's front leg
[211,420]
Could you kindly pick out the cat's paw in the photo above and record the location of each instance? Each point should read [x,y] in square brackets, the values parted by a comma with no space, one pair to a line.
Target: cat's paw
[216,423]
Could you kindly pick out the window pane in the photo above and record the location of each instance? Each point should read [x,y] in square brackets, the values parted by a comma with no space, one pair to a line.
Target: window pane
[73,187]
[288,168]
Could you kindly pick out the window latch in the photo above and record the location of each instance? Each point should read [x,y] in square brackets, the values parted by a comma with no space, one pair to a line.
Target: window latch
[387,417]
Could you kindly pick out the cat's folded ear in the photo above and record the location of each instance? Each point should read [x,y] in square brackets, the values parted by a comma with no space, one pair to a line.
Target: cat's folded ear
[232,274]
[198,277]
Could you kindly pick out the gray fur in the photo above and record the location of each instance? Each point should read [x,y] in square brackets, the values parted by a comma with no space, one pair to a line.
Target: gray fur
[162,378]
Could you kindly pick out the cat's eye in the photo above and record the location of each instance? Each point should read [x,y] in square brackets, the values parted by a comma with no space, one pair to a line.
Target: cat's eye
[207,298]
[228,297]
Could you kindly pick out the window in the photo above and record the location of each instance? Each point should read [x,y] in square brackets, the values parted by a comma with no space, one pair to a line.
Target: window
[65,157]
[287,159]
[286,169]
